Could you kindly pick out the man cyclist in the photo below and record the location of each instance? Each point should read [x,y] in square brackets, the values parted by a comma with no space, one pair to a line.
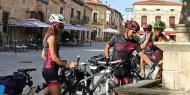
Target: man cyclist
[123,46]
[147,44]
[50,55]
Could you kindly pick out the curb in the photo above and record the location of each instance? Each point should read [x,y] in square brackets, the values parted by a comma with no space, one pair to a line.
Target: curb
[147,87]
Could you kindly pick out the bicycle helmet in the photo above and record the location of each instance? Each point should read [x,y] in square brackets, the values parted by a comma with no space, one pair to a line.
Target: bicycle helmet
[132,25]
[148,27]
[159,25]
[57,18]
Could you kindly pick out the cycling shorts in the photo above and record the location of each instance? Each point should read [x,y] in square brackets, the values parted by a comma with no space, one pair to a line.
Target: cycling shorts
[122,72]
[152,56]
[51,74]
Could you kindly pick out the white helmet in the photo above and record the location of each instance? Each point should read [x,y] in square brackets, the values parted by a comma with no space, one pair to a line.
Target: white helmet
[57,18]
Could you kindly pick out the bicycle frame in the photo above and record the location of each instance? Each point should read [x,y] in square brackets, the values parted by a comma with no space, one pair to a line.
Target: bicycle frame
[106,76]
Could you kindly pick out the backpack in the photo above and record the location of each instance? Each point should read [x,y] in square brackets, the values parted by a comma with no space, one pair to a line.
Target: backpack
[13,84]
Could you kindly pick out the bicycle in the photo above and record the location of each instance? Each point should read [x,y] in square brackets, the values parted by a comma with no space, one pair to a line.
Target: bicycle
[106,78]
[14,84]
[71,84]
[135,63]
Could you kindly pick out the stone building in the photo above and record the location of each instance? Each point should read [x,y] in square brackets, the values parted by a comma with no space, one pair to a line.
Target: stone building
[77,13]
[150,11]
[74,11]
[103,16]
[90,15]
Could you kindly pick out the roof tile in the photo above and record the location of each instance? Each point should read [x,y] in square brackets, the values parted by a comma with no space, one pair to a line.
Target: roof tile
[157,2]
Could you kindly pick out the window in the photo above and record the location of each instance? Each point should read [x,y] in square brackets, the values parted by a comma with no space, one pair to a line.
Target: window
[171,9]
[23,1]
[157,9]
[157,18]
[171,21]
[78,14]
[5,17]
[95,17]
[143,20]
[72,12]
[144,9]
[61,10]
[84,13]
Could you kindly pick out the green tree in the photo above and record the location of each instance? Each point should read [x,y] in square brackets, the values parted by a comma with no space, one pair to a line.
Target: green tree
[185,12]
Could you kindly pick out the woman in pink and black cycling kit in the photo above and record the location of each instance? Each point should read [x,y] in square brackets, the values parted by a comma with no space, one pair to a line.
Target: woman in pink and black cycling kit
[123,46]
[50,54]
[147,44]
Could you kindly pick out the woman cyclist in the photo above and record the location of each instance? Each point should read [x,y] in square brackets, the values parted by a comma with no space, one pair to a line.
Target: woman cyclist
[123,46]
[51,57]
[147,44]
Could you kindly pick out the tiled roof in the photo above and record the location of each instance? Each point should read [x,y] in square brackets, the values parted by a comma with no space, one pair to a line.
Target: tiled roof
[157,2]
[92,1]
[96,2]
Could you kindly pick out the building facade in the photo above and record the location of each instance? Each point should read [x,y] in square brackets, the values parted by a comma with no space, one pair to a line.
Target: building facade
[103,17]
[150,11]
[94,16]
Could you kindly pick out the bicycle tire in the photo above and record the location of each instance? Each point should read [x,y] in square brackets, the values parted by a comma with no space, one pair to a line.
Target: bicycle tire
[77,90]
[103,89]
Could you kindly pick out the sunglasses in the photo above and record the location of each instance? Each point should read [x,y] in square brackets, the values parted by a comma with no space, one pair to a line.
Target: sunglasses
[134,32]
[147,29]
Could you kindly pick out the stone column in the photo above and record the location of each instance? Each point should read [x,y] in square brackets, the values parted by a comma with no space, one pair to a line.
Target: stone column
[176,65]
[182,32]
[176,56]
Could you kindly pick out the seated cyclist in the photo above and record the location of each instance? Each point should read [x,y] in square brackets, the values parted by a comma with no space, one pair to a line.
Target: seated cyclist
[147,44]
[123,46]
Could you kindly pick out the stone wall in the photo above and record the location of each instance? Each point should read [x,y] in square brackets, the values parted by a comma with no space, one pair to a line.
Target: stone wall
[176,65]
[18,9]
[176,70]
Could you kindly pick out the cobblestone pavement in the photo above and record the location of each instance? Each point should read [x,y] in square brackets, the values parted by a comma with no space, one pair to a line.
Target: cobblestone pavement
[10,62]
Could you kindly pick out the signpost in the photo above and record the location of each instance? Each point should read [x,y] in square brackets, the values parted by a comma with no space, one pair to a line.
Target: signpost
[128,9]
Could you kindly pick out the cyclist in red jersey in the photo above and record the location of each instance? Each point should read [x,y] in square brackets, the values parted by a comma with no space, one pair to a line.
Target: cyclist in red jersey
[123,46]
[50,55]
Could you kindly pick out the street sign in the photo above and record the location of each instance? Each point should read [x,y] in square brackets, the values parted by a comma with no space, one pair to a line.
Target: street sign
[128,9]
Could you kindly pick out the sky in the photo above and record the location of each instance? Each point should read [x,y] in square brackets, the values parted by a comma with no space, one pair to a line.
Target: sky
[120,5]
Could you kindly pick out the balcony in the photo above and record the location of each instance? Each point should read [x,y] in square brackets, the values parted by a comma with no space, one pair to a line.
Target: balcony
[78,20]
[85,20]
[79,2]
[62,1]
[99,22]
[44,1]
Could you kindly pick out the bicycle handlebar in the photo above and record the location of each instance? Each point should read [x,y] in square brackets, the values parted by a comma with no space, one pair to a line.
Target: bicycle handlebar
[111,62]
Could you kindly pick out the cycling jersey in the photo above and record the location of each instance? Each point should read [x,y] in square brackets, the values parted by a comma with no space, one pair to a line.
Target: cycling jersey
[122,50]
[50,68]
[150,47]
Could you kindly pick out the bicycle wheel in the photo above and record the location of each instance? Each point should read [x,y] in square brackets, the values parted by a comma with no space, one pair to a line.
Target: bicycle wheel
[104,87]
[77,90]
